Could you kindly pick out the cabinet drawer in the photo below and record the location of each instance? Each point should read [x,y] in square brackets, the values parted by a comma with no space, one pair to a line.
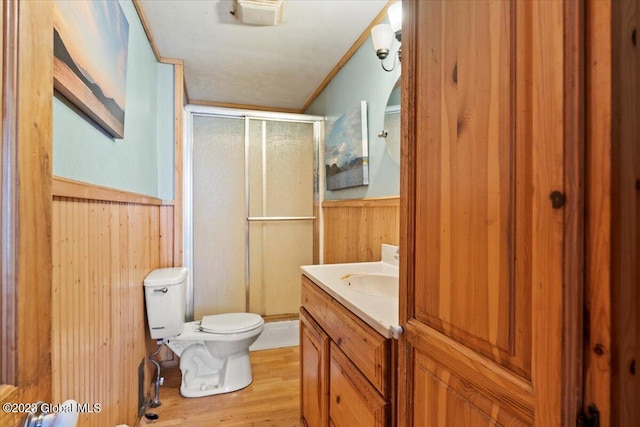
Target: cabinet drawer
[353,401]
[369,351]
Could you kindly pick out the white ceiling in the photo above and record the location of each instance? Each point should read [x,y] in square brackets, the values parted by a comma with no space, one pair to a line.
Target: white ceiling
[280,66]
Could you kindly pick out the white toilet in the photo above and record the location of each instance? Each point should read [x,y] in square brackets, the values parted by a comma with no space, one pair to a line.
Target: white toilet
[214,351]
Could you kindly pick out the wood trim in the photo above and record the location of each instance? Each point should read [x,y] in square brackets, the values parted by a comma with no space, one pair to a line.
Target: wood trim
[347,56]
[408,144]
[625,208]
[547,255]
[147,30]
[178,196]
[612,221]
[597,375]
[8,197]
[574,223]
[173,61]
[27,113]
[64,187]
[34,127]
[361,203]
[244,106]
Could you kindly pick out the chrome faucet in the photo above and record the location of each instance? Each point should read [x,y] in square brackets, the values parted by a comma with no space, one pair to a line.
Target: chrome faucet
[397,254]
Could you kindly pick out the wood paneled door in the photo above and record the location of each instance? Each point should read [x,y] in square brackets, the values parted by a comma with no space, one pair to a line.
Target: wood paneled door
[490,202]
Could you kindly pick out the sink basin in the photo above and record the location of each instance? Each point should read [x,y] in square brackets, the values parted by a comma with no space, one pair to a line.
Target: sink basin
[382,285]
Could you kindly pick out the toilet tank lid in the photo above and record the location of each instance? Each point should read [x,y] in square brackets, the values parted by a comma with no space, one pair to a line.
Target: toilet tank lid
[166,276]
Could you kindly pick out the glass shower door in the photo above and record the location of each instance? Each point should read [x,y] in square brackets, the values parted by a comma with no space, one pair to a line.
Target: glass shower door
[280,212]
[253,188]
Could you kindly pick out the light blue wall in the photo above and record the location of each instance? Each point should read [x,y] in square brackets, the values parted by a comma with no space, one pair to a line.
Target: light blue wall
[362,78]
[141,162]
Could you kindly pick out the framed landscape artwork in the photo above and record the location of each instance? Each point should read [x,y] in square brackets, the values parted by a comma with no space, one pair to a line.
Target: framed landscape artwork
[91,40]
[346,149]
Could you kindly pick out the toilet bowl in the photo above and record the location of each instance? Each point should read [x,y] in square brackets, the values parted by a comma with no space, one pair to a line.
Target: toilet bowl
[215,359]
[213,351]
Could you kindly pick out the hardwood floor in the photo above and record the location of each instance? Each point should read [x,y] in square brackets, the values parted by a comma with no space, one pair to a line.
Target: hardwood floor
[273,399]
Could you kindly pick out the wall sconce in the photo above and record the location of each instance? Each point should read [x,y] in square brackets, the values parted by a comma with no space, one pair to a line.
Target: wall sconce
[382,35]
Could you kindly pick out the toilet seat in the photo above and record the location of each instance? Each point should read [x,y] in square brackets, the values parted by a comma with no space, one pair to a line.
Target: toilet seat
[230,323]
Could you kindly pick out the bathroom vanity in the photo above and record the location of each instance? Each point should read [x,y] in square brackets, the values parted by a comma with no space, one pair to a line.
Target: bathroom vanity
[348,353]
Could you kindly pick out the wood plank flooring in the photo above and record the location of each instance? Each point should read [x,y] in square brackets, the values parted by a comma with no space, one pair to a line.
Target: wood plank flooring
[273,399]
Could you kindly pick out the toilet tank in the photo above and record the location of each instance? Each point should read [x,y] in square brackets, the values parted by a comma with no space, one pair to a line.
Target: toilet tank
[165,299]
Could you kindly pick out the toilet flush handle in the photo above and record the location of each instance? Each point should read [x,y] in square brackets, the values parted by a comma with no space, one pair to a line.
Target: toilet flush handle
[163,290]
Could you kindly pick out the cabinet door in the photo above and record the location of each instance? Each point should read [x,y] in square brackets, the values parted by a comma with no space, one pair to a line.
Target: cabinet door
[486,258]
[314,373]
[353,401]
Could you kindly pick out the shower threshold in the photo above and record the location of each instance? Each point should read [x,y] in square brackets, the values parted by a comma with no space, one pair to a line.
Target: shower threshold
[284,333]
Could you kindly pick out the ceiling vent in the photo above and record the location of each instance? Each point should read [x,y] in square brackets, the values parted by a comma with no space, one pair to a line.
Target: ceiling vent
[259,12]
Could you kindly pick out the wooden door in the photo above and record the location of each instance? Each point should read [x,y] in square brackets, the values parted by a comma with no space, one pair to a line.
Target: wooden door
[25,235]
[490,249]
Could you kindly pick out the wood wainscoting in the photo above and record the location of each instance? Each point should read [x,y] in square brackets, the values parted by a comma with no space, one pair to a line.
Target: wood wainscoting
[104,244]
[355,229]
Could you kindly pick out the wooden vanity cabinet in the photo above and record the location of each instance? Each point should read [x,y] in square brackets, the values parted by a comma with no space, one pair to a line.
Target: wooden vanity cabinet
[347,368]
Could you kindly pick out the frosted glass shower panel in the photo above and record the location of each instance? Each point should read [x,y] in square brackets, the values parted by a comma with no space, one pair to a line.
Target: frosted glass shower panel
[281,168]
[218,215]
[278,249]
[281,193]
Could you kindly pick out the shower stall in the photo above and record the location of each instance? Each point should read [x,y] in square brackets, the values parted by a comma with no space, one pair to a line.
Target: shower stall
[251,209]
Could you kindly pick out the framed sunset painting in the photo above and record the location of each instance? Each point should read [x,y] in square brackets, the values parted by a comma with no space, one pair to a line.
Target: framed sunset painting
[91,40]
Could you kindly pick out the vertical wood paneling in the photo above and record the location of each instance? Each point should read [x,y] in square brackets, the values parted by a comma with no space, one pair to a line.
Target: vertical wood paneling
[101,253]
[355,229]
[166,236]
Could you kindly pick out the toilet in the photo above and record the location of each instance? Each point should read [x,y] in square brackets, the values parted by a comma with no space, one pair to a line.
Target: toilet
[213,351]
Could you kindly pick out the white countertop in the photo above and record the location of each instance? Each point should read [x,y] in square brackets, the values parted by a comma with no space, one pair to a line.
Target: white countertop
[381,313]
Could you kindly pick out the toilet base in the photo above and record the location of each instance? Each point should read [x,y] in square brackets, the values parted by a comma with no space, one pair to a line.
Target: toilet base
[202,375]
[204,390]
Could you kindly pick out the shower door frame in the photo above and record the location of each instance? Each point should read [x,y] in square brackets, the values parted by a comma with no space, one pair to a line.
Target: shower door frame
[192,111]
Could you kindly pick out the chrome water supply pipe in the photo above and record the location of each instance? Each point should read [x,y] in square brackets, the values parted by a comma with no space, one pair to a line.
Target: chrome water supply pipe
[159,380]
